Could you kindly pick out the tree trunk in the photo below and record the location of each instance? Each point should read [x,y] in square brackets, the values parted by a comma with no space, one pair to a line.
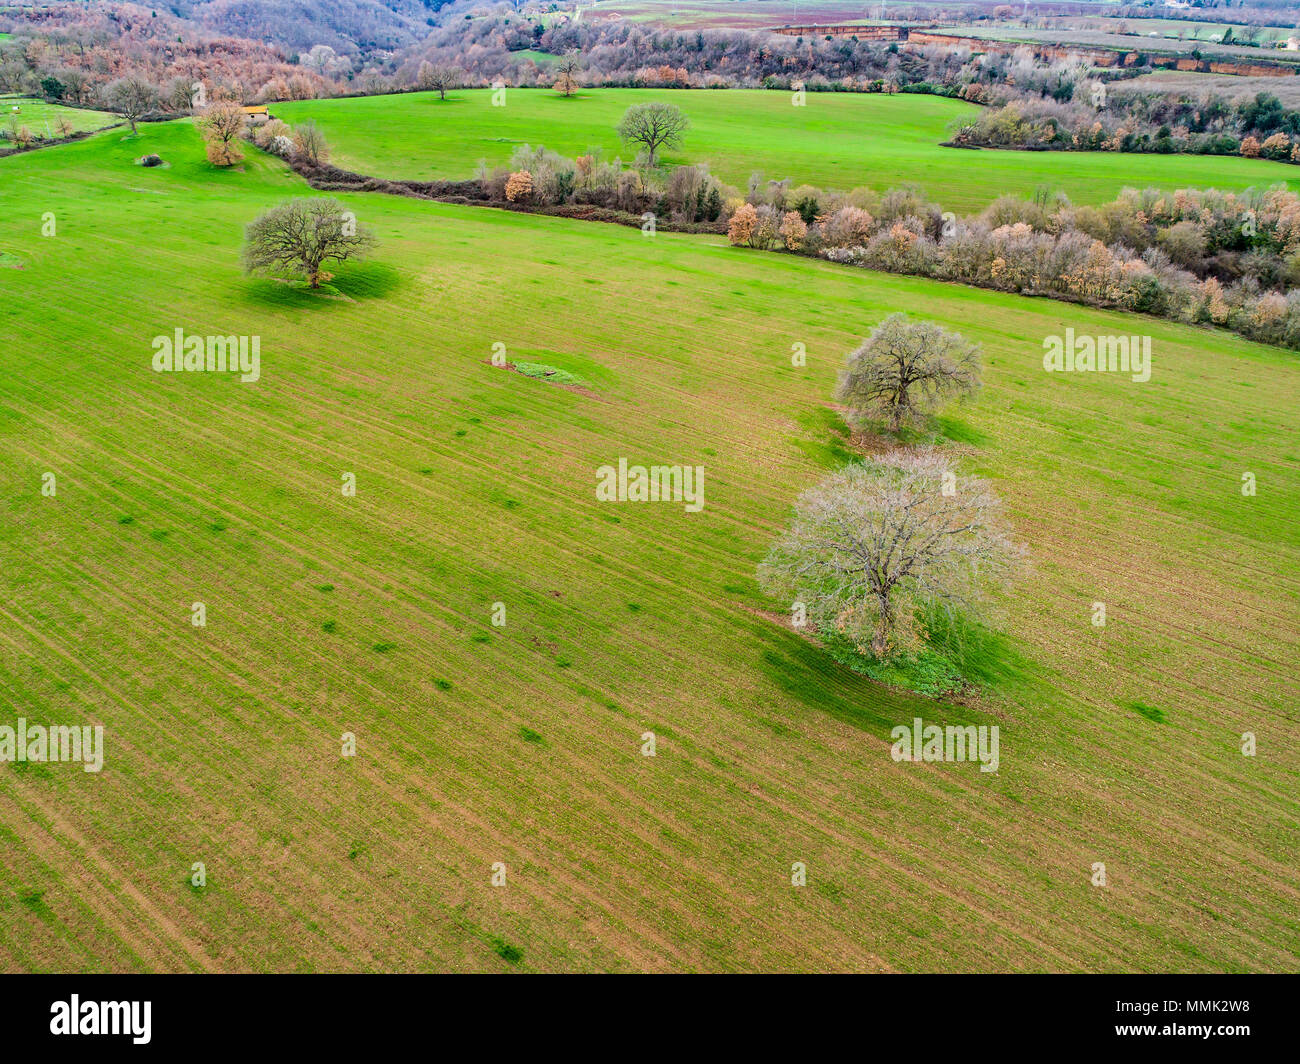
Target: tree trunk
[880,640]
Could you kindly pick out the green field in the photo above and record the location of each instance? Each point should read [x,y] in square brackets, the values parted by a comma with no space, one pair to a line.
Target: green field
[540,58]
[40,117]
[838,140]
[520,744]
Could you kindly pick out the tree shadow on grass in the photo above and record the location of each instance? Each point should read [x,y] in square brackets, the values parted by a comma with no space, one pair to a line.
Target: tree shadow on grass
[813,678]
[826,438]
[981,654]
[352,283]
[367,280]
[958,431]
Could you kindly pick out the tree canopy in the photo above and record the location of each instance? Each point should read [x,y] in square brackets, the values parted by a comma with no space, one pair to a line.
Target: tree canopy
[653,126]
[301,235]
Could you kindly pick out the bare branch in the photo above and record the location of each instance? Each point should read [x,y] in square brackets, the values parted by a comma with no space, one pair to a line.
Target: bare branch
[874,542]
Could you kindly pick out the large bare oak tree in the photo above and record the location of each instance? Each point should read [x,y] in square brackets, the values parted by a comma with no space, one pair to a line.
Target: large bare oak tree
[875,542]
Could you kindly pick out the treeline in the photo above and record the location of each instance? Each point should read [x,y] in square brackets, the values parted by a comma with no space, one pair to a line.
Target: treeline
[1196,256]
[629,54]
[1257,126]
[1032,104]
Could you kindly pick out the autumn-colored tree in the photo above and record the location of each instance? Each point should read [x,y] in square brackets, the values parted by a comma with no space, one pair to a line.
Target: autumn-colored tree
[436,79]
[222,124]
[565,70]
[740,230]
[1276,146]
[519,187]
[793,230]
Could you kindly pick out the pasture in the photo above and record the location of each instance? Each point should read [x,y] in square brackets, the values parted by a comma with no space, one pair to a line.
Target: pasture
[838,140]
[521,744]
[41,117]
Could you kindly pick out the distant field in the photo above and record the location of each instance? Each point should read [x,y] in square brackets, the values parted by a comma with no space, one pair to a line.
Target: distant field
[520,744]
[838,140]
[740,14]
[1177,28]
[757,14]
[1286,89]
[41,117]
[540,58]
[1104,39]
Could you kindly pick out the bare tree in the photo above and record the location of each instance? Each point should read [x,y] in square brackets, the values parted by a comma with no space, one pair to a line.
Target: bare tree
[325,61]
[439,78]
[906,368]
[875,543]
[222,125]
[77,83]
[302,234]
[654,126]
[132,98]
[309,143]
[568,65]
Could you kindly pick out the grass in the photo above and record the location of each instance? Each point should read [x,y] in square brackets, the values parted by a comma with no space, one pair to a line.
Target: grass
[1205,32]
[223,742]
[543,59]
[541,371]
[41,117]
[838,140]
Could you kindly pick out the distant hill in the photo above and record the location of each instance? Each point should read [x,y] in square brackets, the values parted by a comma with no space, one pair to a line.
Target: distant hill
[298,24]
